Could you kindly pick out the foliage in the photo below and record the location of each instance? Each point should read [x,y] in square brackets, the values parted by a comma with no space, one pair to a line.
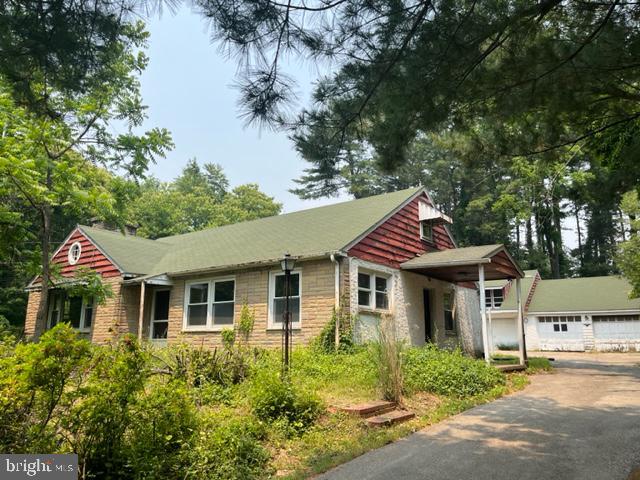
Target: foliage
[198,198]
[326,341]
[629,254]
[443,372]
[538,364]
[87,283]
[228,336]
[226,447]
[389,360]
[199,366]
[246,322]
[276,400]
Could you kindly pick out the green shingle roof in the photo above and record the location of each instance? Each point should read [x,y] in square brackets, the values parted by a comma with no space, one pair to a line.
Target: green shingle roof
[589,294]
[132,254]
[510,301]
[457,255]
[307,233]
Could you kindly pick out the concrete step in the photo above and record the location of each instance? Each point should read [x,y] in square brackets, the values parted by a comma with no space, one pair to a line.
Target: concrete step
[365,410]
[391,418]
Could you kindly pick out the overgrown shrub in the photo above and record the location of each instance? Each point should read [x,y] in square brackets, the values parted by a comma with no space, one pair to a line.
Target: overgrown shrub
[35,387]
[446,372]
[198,366]
[226,447]
[326,341]
[276,400]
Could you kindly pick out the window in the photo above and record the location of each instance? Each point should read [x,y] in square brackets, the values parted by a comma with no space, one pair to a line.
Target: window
[560,323]
[493,297]
[77,311]
[426,230]
[449,321]
[616,318]
[210,304]
[277,298]
[74,253]
[373,291]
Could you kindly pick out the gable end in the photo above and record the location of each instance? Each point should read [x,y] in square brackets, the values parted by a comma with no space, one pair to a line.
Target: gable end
[397,239]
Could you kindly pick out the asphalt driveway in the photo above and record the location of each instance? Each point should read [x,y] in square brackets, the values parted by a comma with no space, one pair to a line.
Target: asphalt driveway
[582,422]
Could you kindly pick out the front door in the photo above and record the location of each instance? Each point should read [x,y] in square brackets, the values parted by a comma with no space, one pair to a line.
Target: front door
[160,316]
[426,299]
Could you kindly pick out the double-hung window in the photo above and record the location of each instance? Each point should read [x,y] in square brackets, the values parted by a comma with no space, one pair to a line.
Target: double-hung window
[449,319]
[373,291]
[277,298]
[77,311]
[209,304]
[426,230]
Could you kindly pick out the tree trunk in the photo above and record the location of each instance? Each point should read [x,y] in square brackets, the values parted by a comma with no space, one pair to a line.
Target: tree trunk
[557,238]
[580,255]
[45,245]
[529,235]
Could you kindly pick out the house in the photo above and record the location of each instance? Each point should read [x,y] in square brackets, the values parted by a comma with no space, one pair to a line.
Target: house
[386,254]
[574,314]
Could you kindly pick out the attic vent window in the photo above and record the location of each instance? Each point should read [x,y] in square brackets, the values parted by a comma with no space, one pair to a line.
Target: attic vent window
[426,230]
[74,253]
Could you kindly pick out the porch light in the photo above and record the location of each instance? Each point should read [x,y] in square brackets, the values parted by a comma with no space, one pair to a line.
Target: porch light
[287,263]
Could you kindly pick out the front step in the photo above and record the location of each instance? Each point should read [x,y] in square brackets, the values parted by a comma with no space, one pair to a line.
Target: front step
[365,410]
[391,418]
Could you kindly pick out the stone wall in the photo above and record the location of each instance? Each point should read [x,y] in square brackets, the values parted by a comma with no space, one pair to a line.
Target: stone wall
[252,287]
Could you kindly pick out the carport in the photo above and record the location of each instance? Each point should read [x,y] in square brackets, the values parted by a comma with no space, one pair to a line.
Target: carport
[475,265]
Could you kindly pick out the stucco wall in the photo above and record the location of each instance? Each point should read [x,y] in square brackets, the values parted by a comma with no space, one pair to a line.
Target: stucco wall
[407,308]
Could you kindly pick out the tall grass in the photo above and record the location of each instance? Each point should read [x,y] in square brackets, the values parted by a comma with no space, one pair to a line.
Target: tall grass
[389,360]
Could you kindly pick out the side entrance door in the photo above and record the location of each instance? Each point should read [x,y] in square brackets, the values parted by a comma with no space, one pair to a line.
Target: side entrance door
[160,316]
[426,299]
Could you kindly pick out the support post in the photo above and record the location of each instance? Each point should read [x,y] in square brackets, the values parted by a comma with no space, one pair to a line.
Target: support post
[483,314]
[141,310]
[520,327]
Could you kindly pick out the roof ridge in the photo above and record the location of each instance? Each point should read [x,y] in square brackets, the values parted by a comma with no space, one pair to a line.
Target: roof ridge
[298,212]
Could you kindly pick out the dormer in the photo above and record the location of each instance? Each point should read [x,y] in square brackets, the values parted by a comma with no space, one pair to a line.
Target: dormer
[429,217]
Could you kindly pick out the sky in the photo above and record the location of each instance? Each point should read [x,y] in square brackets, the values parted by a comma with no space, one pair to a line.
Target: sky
[189,89]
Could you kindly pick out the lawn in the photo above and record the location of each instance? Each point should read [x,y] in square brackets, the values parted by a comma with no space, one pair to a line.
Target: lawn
[223,414]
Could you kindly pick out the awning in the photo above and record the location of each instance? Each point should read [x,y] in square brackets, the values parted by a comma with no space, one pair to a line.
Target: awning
[461,264]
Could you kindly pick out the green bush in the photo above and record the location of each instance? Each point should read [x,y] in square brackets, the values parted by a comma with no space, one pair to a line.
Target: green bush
[226,448]
[276,400]
[36,386]
[326,341]
[198,366]
[448,373]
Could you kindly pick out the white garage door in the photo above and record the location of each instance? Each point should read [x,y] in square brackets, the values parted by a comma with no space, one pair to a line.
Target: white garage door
[616,328]
[561,333]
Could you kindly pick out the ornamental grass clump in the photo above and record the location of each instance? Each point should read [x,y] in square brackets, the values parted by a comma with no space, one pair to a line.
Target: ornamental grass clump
[451,373]
[389,358]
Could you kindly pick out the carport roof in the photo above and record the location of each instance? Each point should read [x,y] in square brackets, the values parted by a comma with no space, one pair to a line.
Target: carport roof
[590,294]
[461,264]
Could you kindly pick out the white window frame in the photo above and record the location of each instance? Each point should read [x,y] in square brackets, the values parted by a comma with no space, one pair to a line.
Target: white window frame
[454,330]
[372,290]
[271,323]
[426,238]
[152,320]
[71,258]
[61,297]
[489,293]
[209,326]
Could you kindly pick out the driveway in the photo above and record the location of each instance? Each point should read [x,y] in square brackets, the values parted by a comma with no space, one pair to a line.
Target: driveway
[581,422]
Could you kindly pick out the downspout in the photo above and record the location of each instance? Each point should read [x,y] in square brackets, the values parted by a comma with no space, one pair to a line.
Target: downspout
[336,307]
[141,310]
